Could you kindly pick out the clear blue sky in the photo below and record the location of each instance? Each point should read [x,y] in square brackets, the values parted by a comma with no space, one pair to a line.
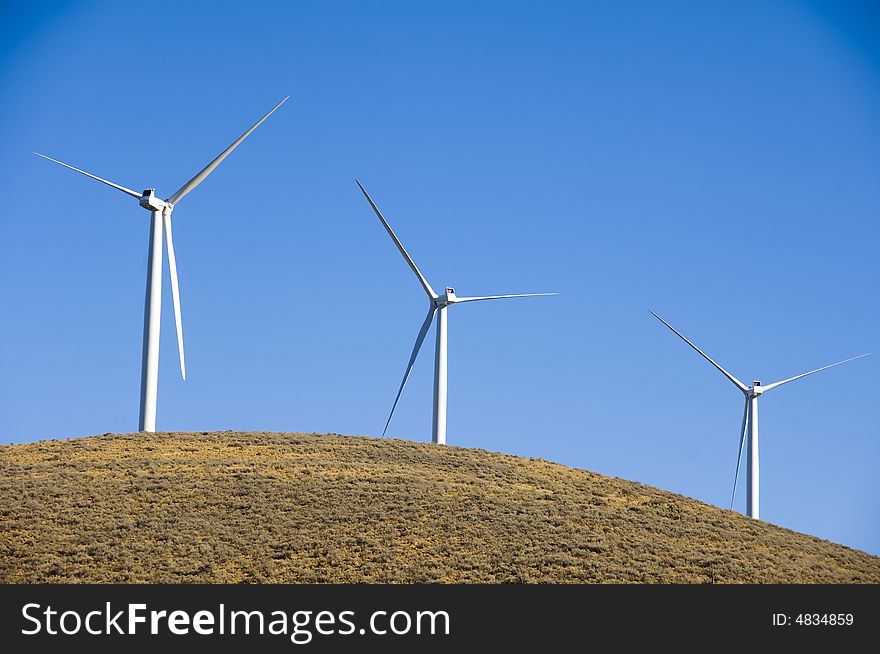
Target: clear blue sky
[715,162]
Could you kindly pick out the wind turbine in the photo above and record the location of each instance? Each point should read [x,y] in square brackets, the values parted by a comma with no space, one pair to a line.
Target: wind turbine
[160,211]
[749,428]
[437,305]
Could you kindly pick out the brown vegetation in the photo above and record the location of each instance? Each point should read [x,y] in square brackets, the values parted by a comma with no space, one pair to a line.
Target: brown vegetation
[268,507]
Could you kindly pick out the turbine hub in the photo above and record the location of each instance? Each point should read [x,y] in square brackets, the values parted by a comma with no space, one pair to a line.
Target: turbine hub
[756,388]
[150,202]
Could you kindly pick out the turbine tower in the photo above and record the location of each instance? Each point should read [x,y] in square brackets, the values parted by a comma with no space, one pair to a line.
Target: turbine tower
[749,428]
[437,305]
[160,211]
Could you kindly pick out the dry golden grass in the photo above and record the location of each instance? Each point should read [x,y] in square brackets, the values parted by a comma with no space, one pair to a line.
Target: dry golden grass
[268,507]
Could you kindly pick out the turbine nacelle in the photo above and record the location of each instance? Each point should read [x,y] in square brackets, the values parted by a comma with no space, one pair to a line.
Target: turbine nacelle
[151,202]
[446,299]
[755,389]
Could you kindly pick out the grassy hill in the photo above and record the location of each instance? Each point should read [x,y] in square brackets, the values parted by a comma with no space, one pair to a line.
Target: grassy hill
[259,507]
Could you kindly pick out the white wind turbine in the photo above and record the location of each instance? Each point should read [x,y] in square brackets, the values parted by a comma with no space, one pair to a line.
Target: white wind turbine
[749,428]
[437,305]
[161,221]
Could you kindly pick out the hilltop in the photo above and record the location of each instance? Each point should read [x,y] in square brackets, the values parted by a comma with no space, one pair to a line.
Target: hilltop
[272,507]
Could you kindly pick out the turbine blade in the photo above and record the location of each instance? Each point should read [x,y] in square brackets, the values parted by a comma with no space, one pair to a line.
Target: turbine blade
[412,359]
[207,170]
[736,381]
[742,441]
[790,379]
[499,297]
[133,194]
[175,289]
[412,264]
